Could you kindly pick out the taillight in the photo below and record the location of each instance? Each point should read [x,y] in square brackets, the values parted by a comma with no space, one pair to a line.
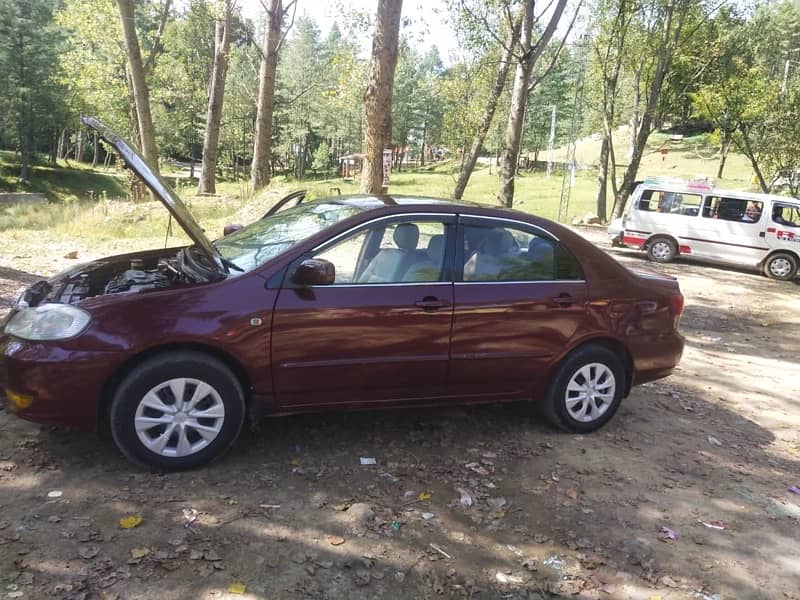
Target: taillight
[676,302]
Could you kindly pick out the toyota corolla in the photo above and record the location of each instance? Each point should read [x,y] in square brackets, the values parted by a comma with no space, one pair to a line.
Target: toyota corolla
[337,303]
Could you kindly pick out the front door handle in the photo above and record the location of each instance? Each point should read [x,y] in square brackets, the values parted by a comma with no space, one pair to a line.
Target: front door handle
[430,303]
[564,299]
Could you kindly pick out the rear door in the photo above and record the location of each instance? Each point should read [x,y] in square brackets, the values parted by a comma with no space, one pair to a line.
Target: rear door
[381,332]
[730,229]
[520,296]
[783,227]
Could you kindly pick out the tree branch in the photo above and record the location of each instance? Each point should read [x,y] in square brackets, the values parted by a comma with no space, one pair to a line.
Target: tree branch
[149,64]
[292,5]
[489,29]
[547,71]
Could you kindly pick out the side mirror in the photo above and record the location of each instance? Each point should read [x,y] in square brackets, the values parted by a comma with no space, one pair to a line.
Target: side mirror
[314,271]
[229,229]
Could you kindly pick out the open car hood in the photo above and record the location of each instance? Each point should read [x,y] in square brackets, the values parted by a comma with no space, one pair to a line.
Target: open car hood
[161,189]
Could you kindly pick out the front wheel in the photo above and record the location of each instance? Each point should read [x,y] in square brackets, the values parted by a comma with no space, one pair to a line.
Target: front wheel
[781,265]
[662,249]
[177,411]
[586,390]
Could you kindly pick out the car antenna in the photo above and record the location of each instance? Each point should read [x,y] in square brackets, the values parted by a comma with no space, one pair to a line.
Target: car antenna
[169,230]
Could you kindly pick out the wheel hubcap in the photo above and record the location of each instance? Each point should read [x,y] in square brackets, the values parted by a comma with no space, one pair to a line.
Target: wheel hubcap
[590,392]
[780,267]
[179,417]
[661,250]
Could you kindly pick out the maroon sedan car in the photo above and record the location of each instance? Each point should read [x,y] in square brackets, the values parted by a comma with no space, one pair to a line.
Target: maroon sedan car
[345,302]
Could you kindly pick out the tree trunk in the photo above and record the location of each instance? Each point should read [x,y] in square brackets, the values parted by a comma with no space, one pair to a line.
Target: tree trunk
[216,94]
[665,52]
[746,148]
[25,145]
[141,93]
[519,97]
[262,146]
[61,144]
[725,147]
[96,153]
[378,94]
[637,101]
[79,146]
[602,180]
[471,157]
[424,139]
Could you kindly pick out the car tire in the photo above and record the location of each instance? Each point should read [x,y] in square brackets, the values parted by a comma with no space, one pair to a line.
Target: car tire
[781,265]
[661,249]
[177,411]
[586,390]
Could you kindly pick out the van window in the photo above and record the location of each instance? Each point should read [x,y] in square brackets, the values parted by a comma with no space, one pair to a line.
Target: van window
[644,201]
[733,209]
[787,215]
[673,203]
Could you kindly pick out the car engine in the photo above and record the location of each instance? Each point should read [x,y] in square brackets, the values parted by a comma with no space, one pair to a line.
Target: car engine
[107,277]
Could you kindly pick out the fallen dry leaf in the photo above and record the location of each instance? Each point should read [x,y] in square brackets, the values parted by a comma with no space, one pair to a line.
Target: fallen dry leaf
[335,540]
[130,522]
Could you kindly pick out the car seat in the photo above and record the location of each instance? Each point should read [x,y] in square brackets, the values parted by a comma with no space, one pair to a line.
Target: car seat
[391,264]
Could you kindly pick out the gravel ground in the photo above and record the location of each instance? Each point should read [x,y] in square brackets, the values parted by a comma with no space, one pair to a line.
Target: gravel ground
[705,456]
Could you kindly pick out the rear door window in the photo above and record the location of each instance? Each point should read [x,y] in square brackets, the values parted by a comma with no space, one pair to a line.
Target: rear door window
[733,209]
[497,253]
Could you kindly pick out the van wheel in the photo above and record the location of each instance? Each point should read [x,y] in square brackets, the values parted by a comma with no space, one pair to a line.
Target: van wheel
[661,249]
[781,265]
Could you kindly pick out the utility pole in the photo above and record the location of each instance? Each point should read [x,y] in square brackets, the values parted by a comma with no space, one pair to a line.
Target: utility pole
[550,141]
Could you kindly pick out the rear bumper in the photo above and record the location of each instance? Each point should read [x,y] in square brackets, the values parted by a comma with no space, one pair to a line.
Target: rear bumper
[655,355]
[45,383]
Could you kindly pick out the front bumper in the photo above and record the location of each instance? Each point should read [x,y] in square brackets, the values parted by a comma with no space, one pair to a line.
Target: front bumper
[46,383]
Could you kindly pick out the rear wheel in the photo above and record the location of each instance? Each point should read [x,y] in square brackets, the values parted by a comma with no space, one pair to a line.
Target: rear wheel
[781,265]
[662,249]
[177,411]
[586,390]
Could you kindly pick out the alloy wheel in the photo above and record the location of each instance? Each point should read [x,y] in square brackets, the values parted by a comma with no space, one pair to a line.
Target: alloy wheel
[590,392]
[179,417]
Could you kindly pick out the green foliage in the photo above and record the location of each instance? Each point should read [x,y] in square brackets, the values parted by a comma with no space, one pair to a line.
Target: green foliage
[31,94]
[322,157]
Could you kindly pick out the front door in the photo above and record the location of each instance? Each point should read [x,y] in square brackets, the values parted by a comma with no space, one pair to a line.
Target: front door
[520,299]
[381,332]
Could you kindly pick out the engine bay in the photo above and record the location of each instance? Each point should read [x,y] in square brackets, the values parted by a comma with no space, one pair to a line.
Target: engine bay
[114,276]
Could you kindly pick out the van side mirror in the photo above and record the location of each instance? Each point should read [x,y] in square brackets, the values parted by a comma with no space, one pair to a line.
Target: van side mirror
[314,271]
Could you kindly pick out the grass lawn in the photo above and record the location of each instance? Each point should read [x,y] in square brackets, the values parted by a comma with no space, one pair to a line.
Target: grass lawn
[64,181]
[92,205]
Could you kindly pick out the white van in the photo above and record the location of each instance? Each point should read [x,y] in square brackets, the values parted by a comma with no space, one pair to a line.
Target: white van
[667,217]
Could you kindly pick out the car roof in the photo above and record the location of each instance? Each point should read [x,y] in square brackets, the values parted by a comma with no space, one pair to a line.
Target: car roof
[372,202]
[398,204]
[714,191]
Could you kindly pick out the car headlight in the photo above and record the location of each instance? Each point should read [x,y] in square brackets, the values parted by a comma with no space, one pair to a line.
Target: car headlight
[48,322]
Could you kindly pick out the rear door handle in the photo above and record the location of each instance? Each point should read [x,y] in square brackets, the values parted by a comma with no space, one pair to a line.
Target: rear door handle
[430,303]
[564,299]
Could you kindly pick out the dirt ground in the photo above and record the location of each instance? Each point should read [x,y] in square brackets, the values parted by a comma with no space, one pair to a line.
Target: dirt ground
[705,457]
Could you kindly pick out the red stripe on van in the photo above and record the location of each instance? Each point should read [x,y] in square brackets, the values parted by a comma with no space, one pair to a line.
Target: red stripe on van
[771,230]
[630,240]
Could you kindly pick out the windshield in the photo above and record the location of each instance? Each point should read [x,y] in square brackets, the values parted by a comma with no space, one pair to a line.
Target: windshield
[265,239]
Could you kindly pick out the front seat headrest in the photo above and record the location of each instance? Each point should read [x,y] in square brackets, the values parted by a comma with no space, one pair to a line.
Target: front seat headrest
[406,236]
